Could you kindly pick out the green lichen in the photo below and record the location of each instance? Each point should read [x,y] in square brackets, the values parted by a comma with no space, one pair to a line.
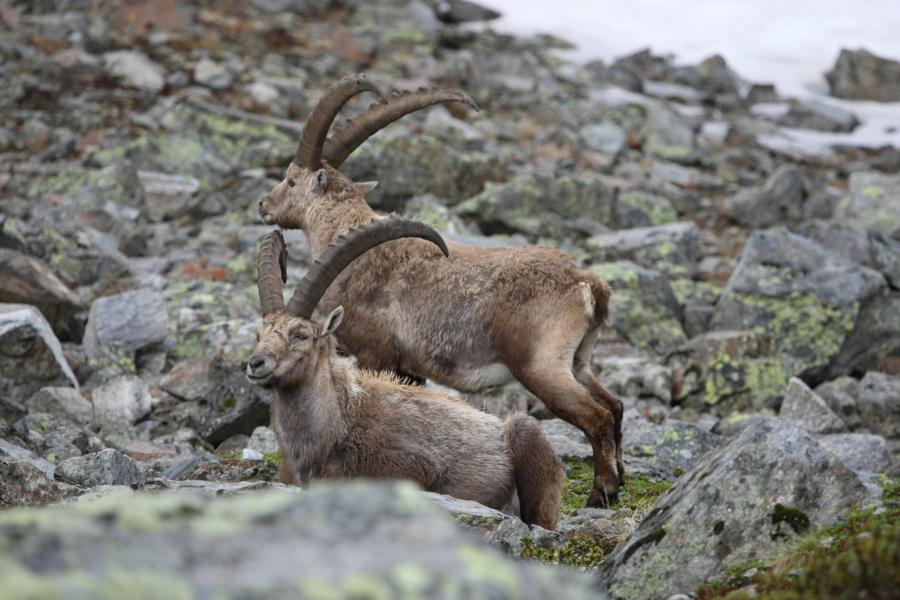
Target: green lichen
[485,565]
[873,192]
[656,209]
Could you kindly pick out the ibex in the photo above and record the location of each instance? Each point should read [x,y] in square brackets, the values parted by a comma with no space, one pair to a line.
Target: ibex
[478,319]
[334,421]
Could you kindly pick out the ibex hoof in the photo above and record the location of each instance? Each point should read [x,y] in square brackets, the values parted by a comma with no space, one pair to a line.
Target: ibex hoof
[601,499]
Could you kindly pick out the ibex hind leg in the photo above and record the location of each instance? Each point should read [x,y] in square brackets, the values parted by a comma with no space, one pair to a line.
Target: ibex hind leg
[538,472]
[585,376]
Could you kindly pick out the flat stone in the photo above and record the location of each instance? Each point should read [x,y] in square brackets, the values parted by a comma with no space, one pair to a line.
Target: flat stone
[62,400]
[144,450]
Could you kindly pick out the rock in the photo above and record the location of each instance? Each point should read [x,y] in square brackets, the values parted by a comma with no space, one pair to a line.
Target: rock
[641,209]
[673,447]
[189,379]
[879,404]
[180,469]
[635,377]
[135,70]
[440,123]
[814,114]
[743,502]
[23,484]
[463,11]
[30,355]
[604,137]
[806,410]
[263,441]
[217,489]
[237,405]
[861,452]
[779,200]
[56,437]
[727,371]
[818,308]
[554,207]
[644,308]
[407,165]
[62,401]
[873,202]
[145,450]
[431,210]
[861,75]
[852,241]
[107,467]
[567,440]
[389,537]
[672,249]
[167,197]
[28,280]
[11,452]
[125,323]
[212,75]
[841,397]
[121,401]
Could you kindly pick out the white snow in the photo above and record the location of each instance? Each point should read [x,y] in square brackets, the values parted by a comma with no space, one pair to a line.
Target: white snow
[790,43]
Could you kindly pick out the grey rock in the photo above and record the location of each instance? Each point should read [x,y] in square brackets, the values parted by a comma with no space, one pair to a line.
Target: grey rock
[432,211]
[107,467]
[183,467]
[672,446]
[463,11]
[167,197]
[636,377]
[189,379]
[10,451]
[873,202]
[779,200]
[442,125]
[55,437]
[121,401]
[504,401]
[829,315]
[63,401]
[212,74]
[237,405]
[841,396]
[29,280]
[879,404]
[24,484]
[567,440]
[135,69]
[863,452]
[697,317]
[805,409]
[126,322]
[31,356]
[743,502]
[672,249]
[387,534]
[861,75]
[216,489]
[815,114]
[635,208]
[263,441]
[604,137]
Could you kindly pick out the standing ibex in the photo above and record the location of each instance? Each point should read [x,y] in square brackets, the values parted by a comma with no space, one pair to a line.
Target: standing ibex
[334,421]
[477,319]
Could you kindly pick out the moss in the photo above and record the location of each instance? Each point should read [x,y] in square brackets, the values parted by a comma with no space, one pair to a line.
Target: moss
[638,493]
[273,457]
[796,519]
[229,402]
[578,551]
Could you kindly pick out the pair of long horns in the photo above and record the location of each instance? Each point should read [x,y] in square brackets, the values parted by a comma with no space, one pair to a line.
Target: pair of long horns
[312,148]
[272,272]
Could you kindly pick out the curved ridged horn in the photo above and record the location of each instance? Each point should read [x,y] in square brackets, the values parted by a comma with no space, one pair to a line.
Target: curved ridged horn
[346,249]
[309,148]
[271,272]
[348,139]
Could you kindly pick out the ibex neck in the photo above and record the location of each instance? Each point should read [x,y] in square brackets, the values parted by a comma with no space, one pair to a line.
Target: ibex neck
[324,228]
[312,419]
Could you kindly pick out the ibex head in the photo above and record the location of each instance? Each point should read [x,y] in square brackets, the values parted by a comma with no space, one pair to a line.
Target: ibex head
[290,344]
[312,176]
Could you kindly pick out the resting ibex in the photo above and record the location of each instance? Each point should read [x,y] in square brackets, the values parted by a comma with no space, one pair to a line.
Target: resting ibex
[334,421]
[474,320]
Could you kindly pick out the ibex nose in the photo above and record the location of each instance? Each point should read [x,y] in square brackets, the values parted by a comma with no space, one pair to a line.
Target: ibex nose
[259,368]
[256,363]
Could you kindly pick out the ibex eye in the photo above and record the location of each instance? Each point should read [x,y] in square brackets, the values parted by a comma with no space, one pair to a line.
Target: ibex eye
[290,183]
[300,336]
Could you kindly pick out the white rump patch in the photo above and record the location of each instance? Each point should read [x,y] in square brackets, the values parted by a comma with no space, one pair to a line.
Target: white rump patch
[588,297]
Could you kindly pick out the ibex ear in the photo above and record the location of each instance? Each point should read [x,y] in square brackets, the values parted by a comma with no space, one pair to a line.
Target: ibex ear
[332,321]
[364,187]
[319,181]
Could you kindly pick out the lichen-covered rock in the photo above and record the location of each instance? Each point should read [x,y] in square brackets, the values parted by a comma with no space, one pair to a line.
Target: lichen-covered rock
[644,308]
[237,405]
[672,249]
[392,542]
[805,409]
[863,452]
[429,209]
[854,242]
[672,446]
[778,200]
[31,356]
[873,202]
[743,502]
[635,208]
[542,206]
[818,308]
[24,484]
[107,467]
[11,451]
[861,75]
[879,404]
[660,130]
[56,437]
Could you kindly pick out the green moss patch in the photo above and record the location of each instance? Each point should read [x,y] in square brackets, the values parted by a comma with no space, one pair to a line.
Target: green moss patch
[638,493]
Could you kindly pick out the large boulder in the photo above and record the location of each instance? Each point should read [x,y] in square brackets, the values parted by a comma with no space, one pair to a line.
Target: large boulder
[238,406]
[126,322]
[392,542]
[743,502]
[778,200]
[121,401]
[879,404]
[854,242]
[107,467]
[31,356]
[805,409]
[828,315]
[861,75]
[873,202]
[673,249]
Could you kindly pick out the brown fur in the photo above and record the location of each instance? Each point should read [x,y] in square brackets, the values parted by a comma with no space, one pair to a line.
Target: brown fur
[475,320]
[334,421]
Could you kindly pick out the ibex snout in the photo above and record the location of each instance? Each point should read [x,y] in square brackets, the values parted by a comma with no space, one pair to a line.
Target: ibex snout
[265,210]
[260,368]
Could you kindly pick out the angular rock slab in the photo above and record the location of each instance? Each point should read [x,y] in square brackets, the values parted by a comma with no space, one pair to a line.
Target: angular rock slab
[805,409]
[672,446]
[873,202]
[31,281]
[107,467]
[126,322]
[738,504]
[343,540]
[31,356]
